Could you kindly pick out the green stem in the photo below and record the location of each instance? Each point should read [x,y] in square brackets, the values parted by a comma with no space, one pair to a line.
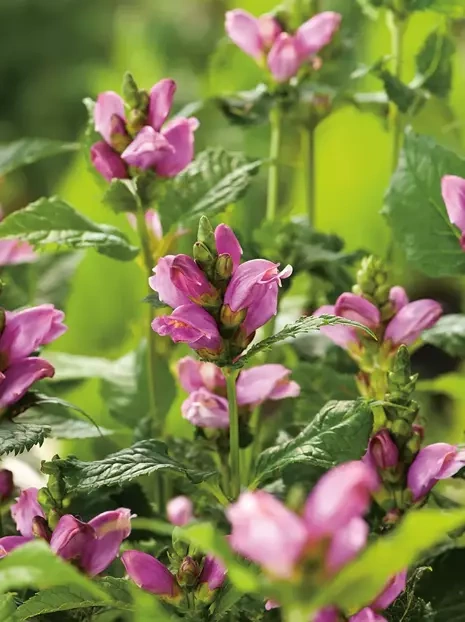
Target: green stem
[234,451]
[307,136]
[273,171]
[398,28]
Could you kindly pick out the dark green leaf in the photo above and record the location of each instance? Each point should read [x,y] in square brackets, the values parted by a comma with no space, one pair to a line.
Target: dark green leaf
[18,437]
[434,64]
[414,197]
[154,301]
[124,466]
[339,432]
[404,97]
[214,180]
[52,223]
[448,334]
[119,197]
[29,150]
[63,427]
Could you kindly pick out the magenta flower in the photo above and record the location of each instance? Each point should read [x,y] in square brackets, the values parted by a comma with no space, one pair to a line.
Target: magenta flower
[190,324]
[150,574]
[206,410]
[228,244]
[398,297]
[162,283]
[346,544]
[433,463]
[70,537]
[329,614]
[189,279]
[108,162]
[394,587]
[25,510]
[195,375]
[6,484]
[412,319]
[180,511]
[110,529]
[342,494]
[284,59]
[367,615]
[265,382]
[358,309]
[266,532]
[453,193]
[213,573]
[316,33]
[109,115]
[148,149]
[254,287]
[382,452]
[343,336]
[252,35]
[10,543]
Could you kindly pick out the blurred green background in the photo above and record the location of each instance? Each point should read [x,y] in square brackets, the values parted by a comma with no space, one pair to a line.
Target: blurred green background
[56,53]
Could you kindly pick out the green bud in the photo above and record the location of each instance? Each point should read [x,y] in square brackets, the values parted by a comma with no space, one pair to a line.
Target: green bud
[144,100]
[130,91]
[188,573]
[401,429]
[373,281]
[45,499]
[230,318]
[224,267]
[206,235]
[136,121]
[52,518]
[203,256]
[180,546]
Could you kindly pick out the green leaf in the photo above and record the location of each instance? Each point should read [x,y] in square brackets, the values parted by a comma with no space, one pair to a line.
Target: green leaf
[71,367]
[214,180]
[34,565]
[448,334]
[119,197]
[143,458]
[414,197]
[7,608]
[64,427]
[434,64]
[291,331]
[18,437]
[53,223]
[360,582]
[247,107]
[339,432]
[154,300]
[404,97]
[29,150]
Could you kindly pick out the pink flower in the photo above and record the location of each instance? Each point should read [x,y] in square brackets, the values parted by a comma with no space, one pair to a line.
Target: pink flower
[346,544]
[180,511]
[148,149]
[329,614]
[433,463]
[108,162]
[398,297]
[412,319]
[284,59]
[252,35]
[341,494]
[453,193]
[317,32]
[358,309]
[180,135]
[206,410]
[162,283]
[343,336]
[265,382]
[254,286]
[189,279]
[160,102]
[213,573]
[367,615]
[14,252]
[228,244]
[149,574]
[109,115]
[6,484]
[394,587]
[70,537]
[382,452]
[195,375]
[10,543]
[190,324]
[24,511]
[266,532]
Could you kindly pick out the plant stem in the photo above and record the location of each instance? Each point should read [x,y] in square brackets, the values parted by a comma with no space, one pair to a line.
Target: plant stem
[307,137]
[398,28]
[273,171]
[234,451]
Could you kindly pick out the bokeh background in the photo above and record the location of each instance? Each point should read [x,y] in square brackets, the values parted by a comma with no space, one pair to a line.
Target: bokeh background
[55,53]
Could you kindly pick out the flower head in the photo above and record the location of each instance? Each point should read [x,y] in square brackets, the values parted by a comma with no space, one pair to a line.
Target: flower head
[180,511]
[411,320]
[206,410]
[265,382]
[25,510]
[189,324]
[433,463]
[195,375]
[150,574]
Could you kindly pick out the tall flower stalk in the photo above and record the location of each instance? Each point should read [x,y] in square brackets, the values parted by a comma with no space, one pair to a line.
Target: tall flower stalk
[234,448]
[307,138]
[276,119]
[398,26]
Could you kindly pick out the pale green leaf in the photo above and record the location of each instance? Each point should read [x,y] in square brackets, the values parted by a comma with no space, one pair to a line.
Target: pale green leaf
[28,150]
[448,334]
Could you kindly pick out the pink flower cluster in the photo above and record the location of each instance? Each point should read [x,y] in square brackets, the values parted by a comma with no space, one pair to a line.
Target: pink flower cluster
[164,148]
[92,546]
[207,406]
[263,39]
[249,300]
[409,321]
[331,530]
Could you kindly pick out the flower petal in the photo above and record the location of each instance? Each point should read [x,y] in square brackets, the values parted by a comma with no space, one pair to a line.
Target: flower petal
[161,100]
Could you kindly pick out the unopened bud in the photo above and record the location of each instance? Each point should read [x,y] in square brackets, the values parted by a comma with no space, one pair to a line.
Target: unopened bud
[230,318]
[57,488]
[52,518]
[203,256]
[6,484]
[130,90]
[401,429]
[45,499]
[136,121]
[40,528]
[206,235]
[224,267]
[383,451]
[188,573]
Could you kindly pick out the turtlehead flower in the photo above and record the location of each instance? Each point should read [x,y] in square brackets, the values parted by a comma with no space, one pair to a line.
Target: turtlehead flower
[393,588]
[382,452]
[453,193]
[411,320]
[358,309]
[10,543]
[6,484]
[189,279]
[70,537]
[213,573]
[265,382]
[25,510]
[206,410]
[195,375]
[367,615]
[190,324]
[107,162]
[398,297]
[343,336]
[346,544]
[433,463]
[24,332]
[227,244]
[252,35]
[162,283]
[150,574]
[180,511]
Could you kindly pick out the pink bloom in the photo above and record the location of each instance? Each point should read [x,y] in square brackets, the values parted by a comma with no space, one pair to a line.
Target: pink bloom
[24,511]
[162,283]
[228,244]
[252,35]
[358,309]
[14,252]
[432,463]
[180,511]
[398,297]
[254,286]
[10,543]
[110,529]
[149,573]
[206,410]
[346,544]
[195,375]
[6,484]
[70,537]
[367,615]
[317,32]
[284,60]
[343,336]
[107,162]
[394,587]
[189,279]
[329,614]
[453,193]
[265,382]
[213,573]
[382,452]
[408,324]
[148,149]
[109,109]
[341,494]
[153,223]
[161,100]
[266,532]
[189,324]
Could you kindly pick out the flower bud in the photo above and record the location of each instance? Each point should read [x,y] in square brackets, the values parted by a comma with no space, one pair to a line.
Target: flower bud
[203,256]
[179,511]
[230,318]
[224,267]
[130,91]
[6,484]
[136,121]
[40,528]
[206,235]
[401,430]
[382,451]
[45,499]
[188,573]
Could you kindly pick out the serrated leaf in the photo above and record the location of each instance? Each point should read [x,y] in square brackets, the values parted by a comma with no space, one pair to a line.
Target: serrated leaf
[414,197]
[448,334]
[8,608]
[70,367]
[404,97]
[303,325]
[143,458]
[434,64]
[119,197]
[17,437]
[28,150]
[64,427]
[360,582]
[53,223]
[339,432]
[214,180]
